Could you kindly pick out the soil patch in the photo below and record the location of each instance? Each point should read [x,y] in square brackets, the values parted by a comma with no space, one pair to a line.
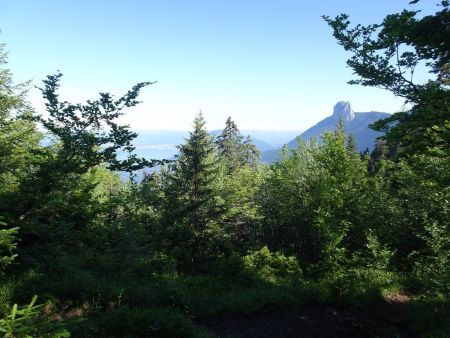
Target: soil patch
[381,319]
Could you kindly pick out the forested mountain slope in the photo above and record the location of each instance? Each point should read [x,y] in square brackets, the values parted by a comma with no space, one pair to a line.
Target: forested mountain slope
[355,123]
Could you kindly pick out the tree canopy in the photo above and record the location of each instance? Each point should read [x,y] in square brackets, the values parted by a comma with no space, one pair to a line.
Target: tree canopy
[386,55]
[88,132]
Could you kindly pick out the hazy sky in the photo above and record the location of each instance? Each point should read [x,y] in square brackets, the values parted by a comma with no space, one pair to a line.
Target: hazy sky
[269,64]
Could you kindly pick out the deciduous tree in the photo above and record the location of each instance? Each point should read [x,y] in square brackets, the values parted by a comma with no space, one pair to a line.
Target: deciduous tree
[387,55]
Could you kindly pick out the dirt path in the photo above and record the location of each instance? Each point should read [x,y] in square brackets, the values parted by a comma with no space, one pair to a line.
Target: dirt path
[313,320]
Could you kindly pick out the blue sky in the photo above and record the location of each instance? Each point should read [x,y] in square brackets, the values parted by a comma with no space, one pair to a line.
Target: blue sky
[269,64]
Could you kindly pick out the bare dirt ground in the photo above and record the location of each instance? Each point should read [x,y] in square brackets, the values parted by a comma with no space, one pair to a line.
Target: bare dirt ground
[381,319]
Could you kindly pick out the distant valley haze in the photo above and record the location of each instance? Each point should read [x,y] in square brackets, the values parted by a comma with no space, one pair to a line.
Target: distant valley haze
[162,144]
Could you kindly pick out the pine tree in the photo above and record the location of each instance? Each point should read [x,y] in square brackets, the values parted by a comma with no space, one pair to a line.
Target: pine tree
[230,146]
[19,143]
[7,246]
[234,150]
[192,204]
[251,154]
[197,166]
[18,137]
[351,144]
[380,152]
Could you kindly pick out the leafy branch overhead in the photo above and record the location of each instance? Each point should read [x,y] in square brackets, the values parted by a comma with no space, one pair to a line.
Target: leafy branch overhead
[89,133]
[387,56]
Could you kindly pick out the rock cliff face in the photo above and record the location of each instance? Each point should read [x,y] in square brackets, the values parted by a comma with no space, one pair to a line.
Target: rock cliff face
[343,109]
[356,123]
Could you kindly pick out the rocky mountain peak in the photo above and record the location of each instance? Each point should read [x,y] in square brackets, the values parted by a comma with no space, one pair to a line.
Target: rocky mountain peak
[343,109]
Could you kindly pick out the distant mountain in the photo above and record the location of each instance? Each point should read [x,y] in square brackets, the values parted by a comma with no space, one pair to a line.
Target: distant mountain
[356,123]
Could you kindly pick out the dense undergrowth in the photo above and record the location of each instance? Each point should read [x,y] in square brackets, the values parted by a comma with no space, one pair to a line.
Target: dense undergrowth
[91,301]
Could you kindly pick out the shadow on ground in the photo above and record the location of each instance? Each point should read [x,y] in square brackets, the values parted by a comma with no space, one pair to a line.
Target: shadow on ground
[383,318]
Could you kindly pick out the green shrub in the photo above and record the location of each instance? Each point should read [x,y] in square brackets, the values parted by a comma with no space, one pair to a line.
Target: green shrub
[128,322]
[6,294]
[7,246]
[158,262]
[272,267]
[28,322]
[432,265]
[359,284]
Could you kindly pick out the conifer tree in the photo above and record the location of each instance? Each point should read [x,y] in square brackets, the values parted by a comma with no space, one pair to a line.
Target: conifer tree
[197,167]
[230,146]
[193,207]
[381,151]
[251,154]
[234,150]
[19,141]
[7,246]
[351,144]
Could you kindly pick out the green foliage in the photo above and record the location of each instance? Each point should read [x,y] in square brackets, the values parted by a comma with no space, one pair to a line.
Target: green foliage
[230,146]
[433,265]
[88,132]
[386,55]
[418,198]
[379,256]
[383,60]
[242,215]
[19,139]
[233,150]
[27,322]
[317,200]
[251,154]
[18,146]
[351,144]
[192,206]
[66,188]
[429,316]
[272,266]
[189,184]
[200,296]
[285,200]
[7,246]
[366,274]
[216,231]
[412,190]
[132,322]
